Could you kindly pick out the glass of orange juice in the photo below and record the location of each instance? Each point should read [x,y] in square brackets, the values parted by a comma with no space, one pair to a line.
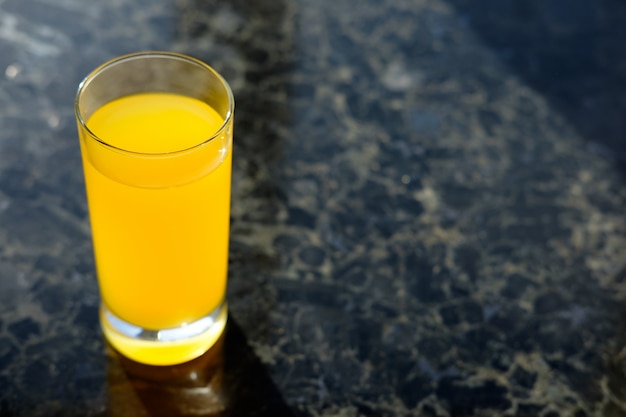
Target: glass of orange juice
[155,133]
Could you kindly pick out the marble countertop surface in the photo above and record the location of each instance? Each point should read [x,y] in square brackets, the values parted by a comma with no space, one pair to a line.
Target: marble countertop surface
[428,213]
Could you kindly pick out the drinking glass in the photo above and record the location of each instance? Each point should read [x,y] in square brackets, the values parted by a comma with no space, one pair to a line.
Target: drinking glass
[155,132]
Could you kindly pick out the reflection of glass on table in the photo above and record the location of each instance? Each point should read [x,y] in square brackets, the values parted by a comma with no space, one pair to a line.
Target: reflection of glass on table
[193,388]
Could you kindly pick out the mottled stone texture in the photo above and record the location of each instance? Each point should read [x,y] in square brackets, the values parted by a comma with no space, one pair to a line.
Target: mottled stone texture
[427,218]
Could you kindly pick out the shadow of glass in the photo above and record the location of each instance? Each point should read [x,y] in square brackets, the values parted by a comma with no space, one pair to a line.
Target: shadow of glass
[250,44]
[228,380]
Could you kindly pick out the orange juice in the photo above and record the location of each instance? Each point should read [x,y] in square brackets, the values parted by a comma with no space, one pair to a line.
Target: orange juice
[161,249]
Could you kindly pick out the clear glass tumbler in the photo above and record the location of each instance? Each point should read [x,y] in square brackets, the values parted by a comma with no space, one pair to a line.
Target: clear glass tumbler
[155,133]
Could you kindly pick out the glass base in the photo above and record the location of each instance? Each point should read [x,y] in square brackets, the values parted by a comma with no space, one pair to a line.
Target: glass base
[166,346]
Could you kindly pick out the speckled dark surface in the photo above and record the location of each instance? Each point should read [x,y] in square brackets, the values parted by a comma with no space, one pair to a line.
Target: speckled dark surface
[428,209]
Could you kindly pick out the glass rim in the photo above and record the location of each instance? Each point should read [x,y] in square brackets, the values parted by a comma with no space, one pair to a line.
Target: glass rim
[156,54]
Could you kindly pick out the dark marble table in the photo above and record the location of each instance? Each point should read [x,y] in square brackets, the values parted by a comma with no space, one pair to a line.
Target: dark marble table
[428,211]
